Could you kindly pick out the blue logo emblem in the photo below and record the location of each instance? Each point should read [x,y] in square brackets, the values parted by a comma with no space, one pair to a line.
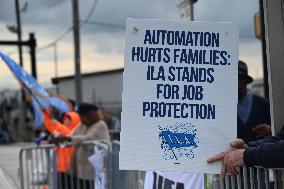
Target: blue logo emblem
[178,141]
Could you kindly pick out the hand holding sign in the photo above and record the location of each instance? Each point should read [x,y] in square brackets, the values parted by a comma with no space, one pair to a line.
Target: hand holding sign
[231,158]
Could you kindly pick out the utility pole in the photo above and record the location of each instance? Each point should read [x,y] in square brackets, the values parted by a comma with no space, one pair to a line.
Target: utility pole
[19,31]
[76,31]
[187,11]
[55,64]
[21,131]
[32,44]
[55,60]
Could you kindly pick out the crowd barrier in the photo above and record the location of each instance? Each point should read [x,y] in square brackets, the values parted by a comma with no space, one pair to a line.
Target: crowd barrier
[249,178]
[41,167]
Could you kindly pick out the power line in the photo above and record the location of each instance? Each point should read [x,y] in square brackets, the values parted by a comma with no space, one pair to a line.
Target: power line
[56,40]
[40,11]
[90,13]
[105,24]
[59,38]
[70,29]
[100,24]
[87,21]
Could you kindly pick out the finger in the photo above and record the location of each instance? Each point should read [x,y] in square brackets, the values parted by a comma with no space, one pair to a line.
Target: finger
[217,157]
[233,171]
[223,170]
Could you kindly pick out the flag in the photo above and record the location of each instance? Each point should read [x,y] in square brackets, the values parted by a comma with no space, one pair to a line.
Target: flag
[62,105]
[24,78]
[38,117]
[55,101]
[40,97]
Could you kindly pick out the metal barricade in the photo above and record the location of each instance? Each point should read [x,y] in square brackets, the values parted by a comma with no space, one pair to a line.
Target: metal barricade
[250,178]
[124,179]
[56,167]
[41,167]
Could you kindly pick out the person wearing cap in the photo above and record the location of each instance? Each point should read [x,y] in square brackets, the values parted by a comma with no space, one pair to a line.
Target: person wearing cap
[253,115]
[253,111]
[92,128]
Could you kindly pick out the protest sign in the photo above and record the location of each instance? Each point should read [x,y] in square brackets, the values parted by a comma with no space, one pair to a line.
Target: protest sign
[173,180]
[179,102]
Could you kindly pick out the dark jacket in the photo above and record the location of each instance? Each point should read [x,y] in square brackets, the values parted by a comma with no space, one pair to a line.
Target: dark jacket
[268,152]
[259,114]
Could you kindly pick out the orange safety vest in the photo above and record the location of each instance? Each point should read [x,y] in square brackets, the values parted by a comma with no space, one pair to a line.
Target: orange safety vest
[75,120]
[63,158]
[63,154]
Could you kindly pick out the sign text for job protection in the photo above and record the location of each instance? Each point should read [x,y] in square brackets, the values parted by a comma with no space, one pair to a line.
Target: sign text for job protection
[207,56]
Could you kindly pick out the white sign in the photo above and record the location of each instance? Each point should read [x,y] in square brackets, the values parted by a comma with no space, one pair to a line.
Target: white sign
[173,180]
[179,102]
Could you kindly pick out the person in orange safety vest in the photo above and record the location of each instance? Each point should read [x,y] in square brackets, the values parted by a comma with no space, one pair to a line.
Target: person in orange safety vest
[63,154]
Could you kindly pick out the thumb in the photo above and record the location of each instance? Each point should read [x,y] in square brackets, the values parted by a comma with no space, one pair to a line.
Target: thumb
[238,143]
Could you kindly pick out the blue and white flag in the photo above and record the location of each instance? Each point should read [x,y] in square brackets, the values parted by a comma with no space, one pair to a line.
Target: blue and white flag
[24,77]
[60,104]
[40,97]
[38,117]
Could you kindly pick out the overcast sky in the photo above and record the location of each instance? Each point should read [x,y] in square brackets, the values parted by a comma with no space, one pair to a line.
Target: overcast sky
[102,46]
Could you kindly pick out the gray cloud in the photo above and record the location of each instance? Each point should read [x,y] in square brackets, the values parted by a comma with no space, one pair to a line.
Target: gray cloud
[7,10]
[105,43]
[240,12]
[58,12]
[50,18]
[35,9]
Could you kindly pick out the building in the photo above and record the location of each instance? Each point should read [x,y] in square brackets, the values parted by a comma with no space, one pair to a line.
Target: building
[103,88]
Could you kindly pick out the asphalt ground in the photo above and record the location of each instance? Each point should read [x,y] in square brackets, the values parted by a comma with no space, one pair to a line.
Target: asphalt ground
[9,162]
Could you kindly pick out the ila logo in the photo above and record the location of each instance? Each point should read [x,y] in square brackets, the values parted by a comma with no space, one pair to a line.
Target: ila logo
[178,141]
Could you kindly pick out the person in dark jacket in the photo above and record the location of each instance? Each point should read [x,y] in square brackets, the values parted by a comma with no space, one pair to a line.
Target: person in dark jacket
[267,152]
[253,111]
[253,118]
[253,122]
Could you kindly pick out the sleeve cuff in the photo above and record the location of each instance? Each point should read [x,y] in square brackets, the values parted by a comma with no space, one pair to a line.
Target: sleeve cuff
[250,157]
